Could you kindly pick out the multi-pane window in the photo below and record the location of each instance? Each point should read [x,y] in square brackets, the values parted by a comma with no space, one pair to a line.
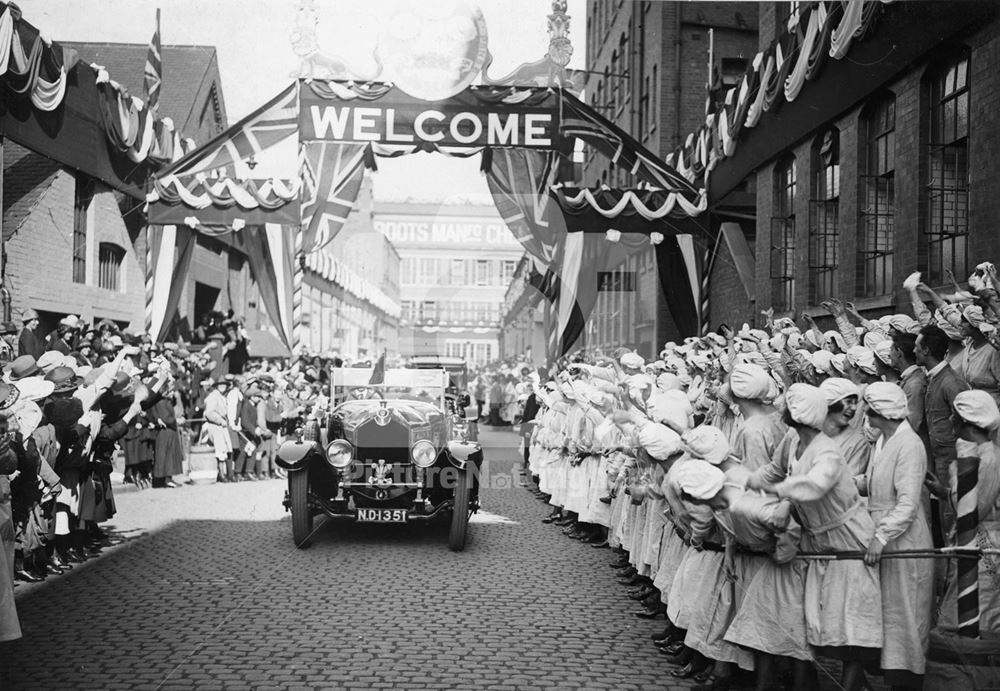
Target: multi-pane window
[509,267]
[429,310]
[615,85]
[427,271]
[626,71]
[946,218]
[823,219]
[878,212]
[458,272]
[83,197]
[109,266]
[783,236]
[482,272]
[407,271]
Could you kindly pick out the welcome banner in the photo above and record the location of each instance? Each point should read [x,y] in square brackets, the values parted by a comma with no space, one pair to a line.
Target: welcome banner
[474,118]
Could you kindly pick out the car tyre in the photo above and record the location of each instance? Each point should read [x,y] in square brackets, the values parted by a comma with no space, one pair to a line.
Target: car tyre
[460,514]
[302,518]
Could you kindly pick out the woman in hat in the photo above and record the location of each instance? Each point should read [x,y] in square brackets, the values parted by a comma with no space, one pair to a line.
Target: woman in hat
[10,628]
[168,458]
[842,597]
[894,485]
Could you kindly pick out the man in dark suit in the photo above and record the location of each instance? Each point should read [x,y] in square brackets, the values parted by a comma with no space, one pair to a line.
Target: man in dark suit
[28,342]
[943,384]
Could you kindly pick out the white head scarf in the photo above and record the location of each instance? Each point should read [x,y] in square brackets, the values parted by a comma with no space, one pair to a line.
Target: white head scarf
[698,479]
[806,405]
[978,408]
[863,358]
[659,441]
[888,400]
[750,381]
[707,443]
[670,407]
[837,389]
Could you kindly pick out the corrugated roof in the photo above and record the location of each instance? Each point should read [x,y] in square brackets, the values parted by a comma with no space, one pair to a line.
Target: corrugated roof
[26,176]
[187,72]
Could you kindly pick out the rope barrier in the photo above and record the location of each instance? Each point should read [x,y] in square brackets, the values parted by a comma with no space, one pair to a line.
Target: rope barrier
[939,553]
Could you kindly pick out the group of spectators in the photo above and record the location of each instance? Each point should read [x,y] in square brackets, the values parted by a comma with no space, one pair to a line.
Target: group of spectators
[784,493]
[71,401]
[500,392]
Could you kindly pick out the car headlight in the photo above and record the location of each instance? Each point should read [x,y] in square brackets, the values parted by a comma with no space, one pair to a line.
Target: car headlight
[339,453]
[424,454]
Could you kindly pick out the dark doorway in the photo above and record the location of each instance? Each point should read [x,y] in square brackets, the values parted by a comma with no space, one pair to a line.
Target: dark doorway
[205,297]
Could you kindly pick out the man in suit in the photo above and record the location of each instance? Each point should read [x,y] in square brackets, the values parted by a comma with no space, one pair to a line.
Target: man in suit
[28,342]
[943,384]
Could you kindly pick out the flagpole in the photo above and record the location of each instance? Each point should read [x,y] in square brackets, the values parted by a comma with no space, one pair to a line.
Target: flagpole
[298,277]
[152,81]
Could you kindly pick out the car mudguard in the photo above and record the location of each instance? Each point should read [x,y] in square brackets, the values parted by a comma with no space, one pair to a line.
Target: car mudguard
[292,455]
[462,453]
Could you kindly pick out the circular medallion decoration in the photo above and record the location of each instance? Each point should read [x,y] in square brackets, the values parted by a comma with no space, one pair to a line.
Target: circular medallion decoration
[433,50]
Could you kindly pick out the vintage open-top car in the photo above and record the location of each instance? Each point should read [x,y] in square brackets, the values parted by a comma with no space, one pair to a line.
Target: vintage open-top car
[394,452]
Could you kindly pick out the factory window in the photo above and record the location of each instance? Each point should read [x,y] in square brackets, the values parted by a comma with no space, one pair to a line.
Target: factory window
[109,266]
[427,271]
[946,167]
[458,272]
[83,197]
[783,236]
[878,212]
[824,217]
[482,272]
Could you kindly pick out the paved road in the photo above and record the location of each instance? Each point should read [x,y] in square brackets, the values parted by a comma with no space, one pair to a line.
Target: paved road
[210,594]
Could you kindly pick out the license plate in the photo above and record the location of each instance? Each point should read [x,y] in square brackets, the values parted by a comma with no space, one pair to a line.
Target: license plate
[382,515]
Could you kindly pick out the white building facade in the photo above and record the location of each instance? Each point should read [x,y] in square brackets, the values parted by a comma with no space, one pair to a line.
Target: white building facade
[456,261]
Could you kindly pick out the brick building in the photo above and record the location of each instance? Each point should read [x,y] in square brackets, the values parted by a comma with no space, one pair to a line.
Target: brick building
[649,64]
[883,166]
[92,237]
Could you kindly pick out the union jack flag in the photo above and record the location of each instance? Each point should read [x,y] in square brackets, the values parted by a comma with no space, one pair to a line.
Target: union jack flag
[332,173]
[231,151]
[154,69]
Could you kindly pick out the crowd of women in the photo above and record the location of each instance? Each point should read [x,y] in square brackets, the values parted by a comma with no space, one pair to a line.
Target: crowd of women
[768,490]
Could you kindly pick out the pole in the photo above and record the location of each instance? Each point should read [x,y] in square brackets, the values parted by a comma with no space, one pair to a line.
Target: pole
[297,279]
[4,293]
[966,528]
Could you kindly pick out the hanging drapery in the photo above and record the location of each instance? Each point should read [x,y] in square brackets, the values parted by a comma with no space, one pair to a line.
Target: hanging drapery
[590,264]
[271,256]
[677,266]
[172,249]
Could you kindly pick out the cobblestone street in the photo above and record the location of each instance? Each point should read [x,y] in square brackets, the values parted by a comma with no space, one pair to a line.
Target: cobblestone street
[209,593]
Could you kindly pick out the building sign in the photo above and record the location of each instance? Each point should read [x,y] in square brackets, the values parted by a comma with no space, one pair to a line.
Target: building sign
[451,232]
[397,118]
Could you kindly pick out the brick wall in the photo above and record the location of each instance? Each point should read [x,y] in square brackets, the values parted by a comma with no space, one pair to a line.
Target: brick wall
[729,303]
[40,260]
[910,180]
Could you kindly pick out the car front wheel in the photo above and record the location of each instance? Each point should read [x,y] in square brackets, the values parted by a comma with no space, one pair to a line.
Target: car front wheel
[298,496]
[460,514]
